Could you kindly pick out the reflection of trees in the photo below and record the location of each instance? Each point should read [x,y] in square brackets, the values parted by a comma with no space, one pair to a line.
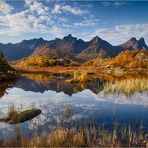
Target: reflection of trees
[5,85]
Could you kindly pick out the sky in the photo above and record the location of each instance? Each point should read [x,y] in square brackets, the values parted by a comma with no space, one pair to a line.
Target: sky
[114,21]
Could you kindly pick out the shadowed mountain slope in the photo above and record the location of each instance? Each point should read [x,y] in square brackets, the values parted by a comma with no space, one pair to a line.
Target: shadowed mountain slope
[22,49]
[67,47]
[98,48]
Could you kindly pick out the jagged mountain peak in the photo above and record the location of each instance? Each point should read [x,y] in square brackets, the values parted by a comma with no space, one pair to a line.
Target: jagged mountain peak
[142,41]
[69,38]
[96,39]
[133,39]
[133,43]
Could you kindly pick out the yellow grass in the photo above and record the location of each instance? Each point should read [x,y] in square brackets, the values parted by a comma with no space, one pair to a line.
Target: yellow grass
[83,136]
[79,77]
[127,86]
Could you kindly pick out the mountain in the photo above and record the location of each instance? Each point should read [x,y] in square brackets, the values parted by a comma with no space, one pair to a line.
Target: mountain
[69,47]
[77,49]
[98,48]
[6,72]
[133,43]
[22,49]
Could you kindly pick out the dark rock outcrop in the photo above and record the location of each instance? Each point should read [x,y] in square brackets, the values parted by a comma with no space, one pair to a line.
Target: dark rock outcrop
[6,72]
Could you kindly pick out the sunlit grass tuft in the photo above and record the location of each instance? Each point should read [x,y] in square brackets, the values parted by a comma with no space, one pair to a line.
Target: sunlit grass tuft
[79,77]
[126,86]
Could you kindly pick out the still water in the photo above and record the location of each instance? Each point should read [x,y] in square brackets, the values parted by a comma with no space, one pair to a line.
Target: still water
[89,102]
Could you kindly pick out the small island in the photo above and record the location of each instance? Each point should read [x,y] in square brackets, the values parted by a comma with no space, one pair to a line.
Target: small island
[18,117]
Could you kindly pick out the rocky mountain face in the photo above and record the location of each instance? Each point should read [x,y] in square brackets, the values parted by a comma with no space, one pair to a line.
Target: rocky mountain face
[69,47]
[133,43]
[22,49]
[98,48]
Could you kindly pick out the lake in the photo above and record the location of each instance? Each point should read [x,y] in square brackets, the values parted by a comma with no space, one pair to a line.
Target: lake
[100,101]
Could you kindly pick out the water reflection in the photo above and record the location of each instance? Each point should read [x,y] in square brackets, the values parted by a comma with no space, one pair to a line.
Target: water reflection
[58,84]
[98,100]
[127,86]
[6,85]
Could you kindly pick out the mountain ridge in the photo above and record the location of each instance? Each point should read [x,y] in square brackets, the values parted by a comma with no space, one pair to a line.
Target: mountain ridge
[70,47]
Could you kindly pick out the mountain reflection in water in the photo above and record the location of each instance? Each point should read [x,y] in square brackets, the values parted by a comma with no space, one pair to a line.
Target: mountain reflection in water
[58,85]
[104,101]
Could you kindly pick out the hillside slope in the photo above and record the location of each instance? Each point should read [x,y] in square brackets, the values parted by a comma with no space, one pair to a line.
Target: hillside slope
[42,61]
[129,60]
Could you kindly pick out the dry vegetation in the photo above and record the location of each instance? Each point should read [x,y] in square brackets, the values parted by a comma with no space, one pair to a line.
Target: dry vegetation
[126,62]
[83,136]
[127,86]
[42,61]
[79,77]
[126,59]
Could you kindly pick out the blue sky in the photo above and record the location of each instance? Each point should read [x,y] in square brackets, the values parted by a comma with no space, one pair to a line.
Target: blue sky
[114,21]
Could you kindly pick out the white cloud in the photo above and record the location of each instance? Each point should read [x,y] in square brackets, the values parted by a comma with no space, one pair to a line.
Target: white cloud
[35,17]
[56,30]
[73,10]
[5,8]
[29,20]
[118,3]
[38,7]
[87,22]
[106,3]
[113,3]
[58,9]
[121,33]
[28,2]
[14,24]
